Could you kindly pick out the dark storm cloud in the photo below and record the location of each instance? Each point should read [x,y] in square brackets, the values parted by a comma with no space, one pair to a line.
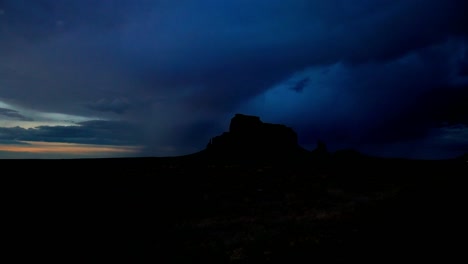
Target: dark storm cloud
[236,49]
[13,114]
[35,19]
[232,65]
[185,62]
[300,85]
[378,103]
[116,105]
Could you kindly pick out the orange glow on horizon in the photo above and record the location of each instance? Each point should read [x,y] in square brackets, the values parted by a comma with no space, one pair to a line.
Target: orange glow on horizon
[68,148]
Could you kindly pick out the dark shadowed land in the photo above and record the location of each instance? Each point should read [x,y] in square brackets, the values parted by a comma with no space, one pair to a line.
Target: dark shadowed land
[274,202]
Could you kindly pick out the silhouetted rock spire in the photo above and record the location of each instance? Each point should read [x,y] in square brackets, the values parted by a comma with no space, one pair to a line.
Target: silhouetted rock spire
[321,149]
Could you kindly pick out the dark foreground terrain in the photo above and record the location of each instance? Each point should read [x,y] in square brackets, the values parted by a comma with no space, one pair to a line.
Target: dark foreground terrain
[188,210]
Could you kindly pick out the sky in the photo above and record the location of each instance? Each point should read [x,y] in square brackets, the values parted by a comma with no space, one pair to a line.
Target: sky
[132,78]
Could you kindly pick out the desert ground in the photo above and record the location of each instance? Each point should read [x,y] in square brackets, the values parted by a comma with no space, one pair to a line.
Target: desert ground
[193,210]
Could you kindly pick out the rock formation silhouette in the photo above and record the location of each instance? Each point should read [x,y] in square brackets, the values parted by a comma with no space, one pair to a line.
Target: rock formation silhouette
[249,137]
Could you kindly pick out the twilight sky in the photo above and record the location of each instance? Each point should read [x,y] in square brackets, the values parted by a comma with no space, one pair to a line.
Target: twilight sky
[108,78]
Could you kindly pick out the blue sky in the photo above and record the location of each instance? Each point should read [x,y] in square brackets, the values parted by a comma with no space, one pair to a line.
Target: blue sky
[159,78]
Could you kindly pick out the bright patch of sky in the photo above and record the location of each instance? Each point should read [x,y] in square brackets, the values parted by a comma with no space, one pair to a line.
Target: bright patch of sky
[33,118]
[58,150]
